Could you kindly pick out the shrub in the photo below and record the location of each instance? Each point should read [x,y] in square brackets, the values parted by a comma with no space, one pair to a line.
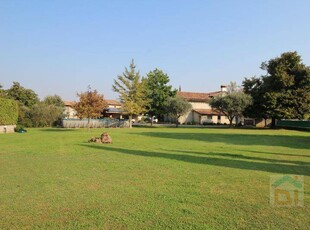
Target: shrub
[8,112]
[20,129]
[208,123]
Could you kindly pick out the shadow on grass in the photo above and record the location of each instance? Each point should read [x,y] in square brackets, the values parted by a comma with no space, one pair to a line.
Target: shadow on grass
[237,163]
[240,156]
[271,153]
[298,142]
[57,130]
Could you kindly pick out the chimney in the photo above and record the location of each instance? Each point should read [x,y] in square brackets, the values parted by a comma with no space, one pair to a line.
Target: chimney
[223,88]
[180,88]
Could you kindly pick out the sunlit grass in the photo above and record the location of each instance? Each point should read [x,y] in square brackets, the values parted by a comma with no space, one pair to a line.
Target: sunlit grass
[150,178]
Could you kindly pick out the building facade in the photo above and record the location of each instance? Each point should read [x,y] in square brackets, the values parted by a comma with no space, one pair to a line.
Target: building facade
[201,112]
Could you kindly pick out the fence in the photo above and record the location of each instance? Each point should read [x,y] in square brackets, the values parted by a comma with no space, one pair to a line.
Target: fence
[294,124]
[95,123]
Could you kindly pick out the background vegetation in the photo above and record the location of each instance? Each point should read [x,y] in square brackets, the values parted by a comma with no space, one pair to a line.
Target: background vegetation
[8,112]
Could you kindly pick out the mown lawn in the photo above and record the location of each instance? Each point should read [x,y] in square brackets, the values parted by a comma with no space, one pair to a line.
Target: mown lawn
[150,178]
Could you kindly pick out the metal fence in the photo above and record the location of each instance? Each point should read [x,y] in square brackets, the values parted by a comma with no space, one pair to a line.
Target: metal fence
[95,123]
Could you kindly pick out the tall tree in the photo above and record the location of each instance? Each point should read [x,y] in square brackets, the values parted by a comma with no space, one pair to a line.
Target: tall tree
[54,100]
[285,88]
[158,92]
[90,105]
[24,96]
[231,105]
[177,107]
[54,109]
[132,92]
[255,88]
[233,87]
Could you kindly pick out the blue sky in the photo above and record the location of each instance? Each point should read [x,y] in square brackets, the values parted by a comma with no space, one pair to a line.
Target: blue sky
[61,47]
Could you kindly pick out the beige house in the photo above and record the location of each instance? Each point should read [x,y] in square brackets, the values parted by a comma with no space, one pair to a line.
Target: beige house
[70,112]
[201,110]
[113,110]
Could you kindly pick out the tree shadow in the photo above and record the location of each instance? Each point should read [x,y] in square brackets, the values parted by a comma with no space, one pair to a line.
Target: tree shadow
[57,130]
[297,142]
[214,161]
[271,153]
[243,157]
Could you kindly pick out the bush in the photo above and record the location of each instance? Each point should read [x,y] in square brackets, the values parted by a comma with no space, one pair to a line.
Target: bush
[20,129]
[208,123]
[8,112]
[192,123]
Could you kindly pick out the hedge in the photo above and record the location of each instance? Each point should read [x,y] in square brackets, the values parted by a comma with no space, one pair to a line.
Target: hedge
[8,112]
[294,124]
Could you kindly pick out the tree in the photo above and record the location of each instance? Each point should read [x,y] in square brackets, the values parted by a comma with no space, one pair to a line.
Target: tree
[285,89]
[38,114]
[26,99]
[233,87]
[255,88]
[54,109]
[231,105]
[3,93]
[158,92]
[24,96]
[54,100]
[91,105]
[132,92]
[178,106]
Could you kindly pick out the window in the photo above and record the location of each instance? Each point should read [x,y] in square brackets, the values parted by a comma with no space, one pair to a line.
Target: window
[218,118]
[209,117]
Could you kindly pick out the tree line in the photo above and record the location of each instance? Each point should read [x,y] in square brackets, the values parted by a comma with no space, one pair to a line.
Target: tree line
[150,95]
[33,112]
[282,93]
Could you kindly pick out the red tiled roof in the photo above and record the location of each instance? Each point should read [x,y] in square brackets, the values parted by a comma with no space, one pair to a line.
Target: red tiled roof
[207,112]
[192,96]
[113,102]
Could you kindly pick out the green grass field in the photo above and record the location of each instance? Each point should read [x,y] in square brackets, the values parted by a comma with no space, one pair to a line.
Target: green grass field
[150,178]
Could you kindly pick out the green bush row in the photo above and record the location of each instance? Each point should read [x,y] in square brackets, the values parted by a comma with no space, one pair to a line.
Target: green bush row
[8,112]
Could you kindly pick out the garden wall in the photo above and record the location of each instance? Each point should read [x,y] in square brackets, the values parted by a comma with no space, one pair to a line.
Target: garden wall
[7,128]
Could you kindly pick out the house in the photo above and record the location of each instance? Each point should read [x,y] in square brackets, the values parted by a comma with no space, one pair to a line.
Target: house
[113,110]
[201,110]
[70,112]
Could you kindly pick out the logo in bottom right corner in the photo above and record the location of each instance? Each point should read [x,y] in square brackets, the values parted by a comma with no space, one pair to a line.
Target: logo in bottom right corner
[287,190]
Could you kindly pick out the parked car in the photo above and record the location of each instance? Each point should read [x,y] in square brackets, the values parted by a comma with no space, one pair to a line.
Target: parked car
[148,119]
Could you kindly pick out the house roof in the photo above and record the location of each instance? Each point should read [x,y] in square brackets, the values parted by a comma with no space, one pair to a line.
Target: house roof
[113,102]
[114,110]
[69,103]
[197,97]
[207,112]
